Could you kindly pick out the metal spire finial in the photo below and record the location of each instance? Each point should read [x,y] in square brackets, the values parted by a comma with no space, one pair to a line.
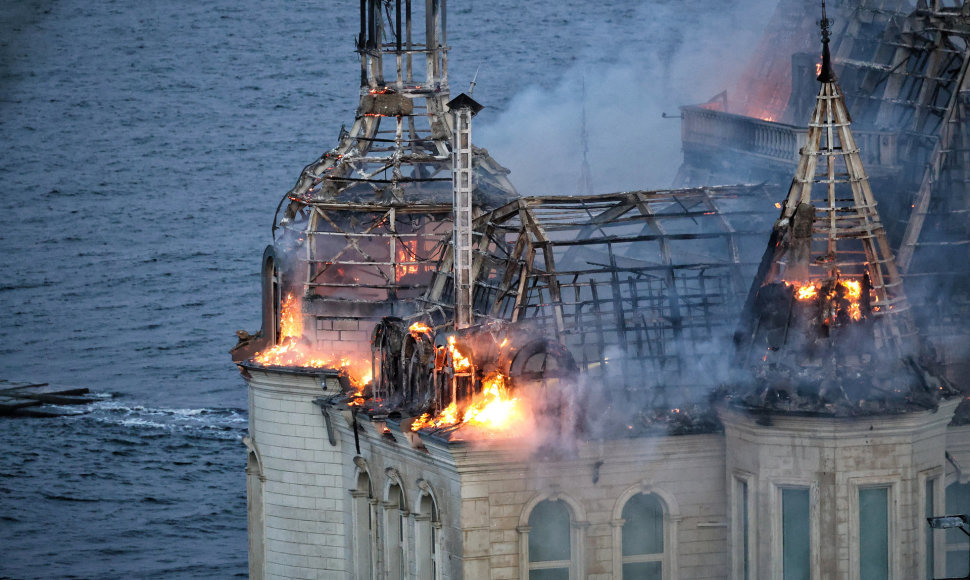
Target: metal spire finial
[826,74]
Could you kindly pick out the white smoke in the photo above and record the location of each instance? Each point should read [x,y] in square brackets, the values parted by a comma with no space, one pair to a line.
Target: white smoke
[678,56]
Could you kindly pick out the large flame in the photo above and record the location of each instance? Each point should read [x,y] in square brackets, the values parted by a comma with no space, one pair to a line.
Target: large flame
[293,352]
[459,362]
[494,409]
[291,318]
[851,291]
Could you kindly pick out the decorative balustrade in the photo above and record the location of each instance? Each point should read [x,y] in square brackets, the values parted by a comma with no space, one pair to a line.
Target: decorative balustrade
[776,142]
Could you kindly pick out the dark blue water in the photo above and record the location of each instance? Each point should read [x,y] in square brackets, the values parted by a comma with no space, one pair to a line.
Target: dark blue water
[143,149]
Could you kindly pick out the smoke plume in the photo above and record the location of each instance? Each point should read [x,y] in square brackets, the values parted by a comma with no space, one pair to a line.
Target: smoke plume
[669,55]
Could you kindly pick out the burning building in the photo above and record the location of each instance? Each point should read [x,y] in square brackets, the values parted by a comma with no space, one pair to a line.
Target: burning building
[359,235]
[902,67]
[559,387]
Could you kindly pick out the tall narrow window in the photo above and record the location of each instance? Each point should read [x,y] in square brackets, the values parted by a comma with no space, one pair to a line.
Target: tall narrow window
[929,549]
[643,538]
[363,528]
[742,531]
[396,517]
[254,493]
[957,502]
[426,538]
[549,541]
[874,533]
[795,534]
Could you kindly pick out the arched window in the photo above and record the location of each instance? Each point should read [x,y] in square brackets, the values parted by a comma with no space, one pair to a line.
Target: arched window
[643,538]
[550,549]
[256,519]
[271,296]
[395,519]
[645,534]
[426,533]
[363,521]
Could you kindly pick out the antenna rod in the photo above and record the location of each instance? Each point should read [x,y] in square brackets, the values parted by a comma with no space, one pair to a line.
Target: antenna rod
[471,87]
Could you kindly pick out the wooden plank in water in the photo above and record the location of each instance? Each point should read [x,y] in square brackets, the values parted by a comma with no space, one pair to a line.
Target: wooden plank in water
[12,386]
[23,398]
[58,398]
[9,406]
[41,389]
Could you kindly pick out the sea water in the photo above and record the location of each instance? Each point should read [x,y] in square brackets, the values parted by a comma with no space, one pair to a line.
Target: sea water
[144,147]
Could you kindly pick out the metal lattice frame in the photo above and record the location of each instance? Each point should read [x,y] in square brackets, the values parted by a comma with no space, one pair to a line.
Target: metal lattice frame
[370,216]
[373,252]
[637,285]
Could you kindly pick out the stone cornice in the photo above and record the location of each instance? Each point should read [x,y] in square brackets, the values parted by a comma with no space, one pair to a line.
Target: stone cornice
[837,429]
[484,456]
[308,383]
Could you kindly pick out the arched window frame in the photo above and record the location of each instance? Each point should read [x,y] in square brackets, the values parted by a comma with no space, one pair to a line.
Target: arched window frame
[671,519]
[256,518]
[427,523]
[395,515]
[577,533]
[364,533]
[272,285]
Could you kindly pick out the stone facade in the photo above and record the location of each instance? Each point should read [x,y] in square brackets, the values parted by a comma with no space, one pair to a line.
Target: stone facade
[297,494]
[835,458]
[338,494]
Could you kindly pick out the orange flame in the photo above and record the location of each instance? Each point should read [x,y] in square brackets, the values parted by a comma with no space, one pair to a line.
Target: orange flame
[292,352]
[459,362]
[494,409]
[407,252]
[806,292]
[818,69]
[449,416]
[855,311]
[851,289]
[291,318]
[419,328]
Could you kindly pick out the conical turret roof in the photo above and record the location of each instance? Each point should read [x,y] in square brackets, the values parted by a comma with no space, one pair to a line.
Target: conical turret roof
[829,229]
[827,325]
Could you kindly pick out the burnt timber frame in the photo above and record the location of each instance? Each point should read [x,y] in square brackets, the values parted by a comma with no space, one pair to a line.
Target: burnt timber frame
[632,283]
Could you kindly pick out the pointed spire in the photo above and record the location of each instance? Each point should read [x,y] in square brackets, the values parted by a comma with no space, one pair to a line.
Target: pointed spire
[826,74]
[829,247]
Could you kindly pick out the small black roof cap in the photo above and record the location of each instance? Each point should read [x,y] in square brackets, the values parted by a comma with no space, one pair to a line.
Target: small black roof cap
[463,101]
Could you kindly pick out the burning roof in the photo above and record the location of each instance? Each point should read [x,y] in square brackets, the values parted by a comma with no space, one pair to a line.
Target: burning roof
[595,310]
[827,327]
